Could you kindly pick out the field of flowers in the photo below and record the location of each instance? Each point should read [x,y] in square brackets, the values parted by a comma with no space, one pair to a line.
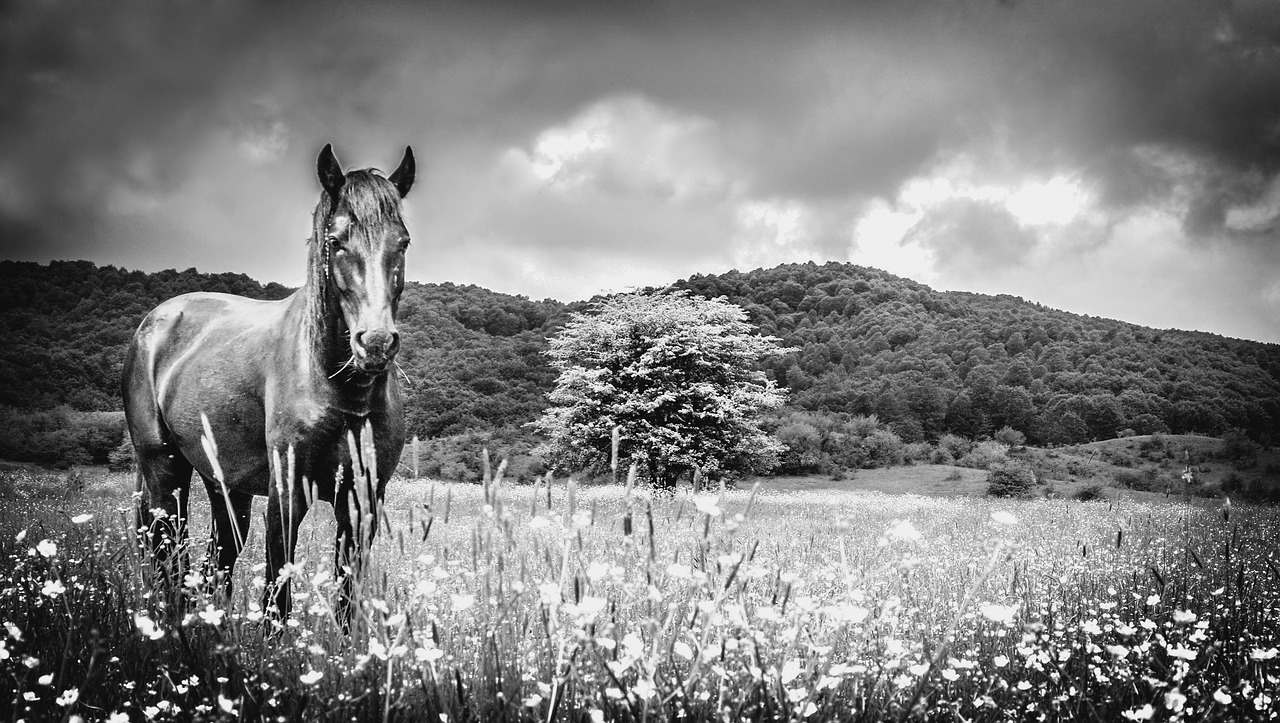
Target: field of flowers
[564,603]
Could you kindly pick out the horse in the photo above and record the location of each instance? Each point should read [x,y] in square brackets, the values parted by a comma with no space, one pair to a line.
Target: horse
[294,400]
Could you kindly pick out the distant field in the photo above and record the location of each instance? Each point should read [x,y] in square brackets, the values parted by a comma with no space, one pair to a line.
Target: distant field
[785,604]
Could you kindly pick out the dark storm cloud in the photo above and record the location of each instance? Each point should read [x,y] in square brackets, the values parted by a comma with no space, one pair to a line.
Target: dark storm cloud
[185,134]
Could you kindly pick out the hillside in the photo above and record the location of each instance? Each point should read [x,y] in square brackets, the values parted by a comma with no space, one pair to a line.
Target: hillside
[859,342]
[863,341]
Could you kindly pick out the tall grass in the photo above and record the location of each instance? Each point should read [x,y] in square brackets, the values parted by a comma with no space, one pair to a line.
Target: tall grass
[563,603]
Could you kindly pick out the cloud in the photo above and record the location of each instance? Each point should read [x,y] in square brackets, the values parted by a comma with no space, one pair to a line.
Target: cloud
[575,146]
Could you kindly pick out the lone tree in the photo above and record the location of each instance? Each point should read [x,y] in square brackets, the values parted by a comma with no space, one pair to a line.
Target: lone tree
[676,373]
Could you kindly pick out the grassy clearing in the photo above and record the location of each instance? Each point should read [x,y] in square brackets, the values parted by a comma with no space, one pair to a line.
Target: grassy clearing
[526,603]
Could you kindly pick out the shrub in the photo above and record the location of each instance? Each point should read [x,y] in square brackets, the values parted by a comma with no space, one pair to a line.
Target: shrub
[1010,437]
[1147,480]
[951,448]
[121,458]
[1011,479]
[985,455]
[1236,446]
[1089,493]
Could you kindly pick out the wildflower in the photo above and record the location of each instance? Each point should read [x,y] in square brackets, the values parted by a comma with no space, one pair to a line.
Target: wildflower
[226,704]
[81,519]
[212,616]
[539,522]
[53,588]
[4,651]
[644,688]
[1259,654]
[998,613]
[193,580]
[1000,661]
[1222,696]
[950,675]
[675,569]
[1153,599]
[707,505]
[682,649]
[151,711]
[45,679]
[1119,651]
[463,602]
[903,531]
[428,654]
[47,548]
[1001,517]
[591,606]
[1174,700]
[22,535]
[118,717]
[1143,713]
[1183,617]
[68,697]
[1177,651]
[148,627]
[14,631]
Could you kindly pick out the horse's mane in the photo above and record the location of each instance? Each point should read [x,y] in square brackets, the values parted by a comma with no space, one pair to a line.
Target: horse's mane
[372,201]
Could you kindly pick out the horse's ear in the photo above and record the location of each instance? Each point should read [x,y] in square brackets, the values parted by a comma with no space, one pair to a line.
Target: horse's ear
[330,172]
[402,179]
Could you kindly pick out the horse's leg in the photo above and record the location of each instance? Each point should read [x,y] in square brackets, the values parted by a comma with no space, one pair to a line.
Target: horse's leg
[163,483]
[356,509]
[286,506]
[229,534]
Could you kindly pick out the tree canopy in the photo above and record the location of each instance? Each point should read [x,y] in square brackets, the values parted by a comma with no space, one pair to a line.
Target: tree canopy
[678,375]
[856,342]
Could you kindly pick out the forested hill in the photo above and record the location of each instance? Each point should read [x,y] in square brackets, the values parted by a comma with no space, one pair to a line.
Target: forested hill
[860,341]
[864,341]
[474,357]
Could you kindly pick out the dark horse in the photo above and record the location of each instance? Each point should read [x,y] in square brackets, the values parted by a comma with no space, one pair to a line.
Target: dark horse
[292,399]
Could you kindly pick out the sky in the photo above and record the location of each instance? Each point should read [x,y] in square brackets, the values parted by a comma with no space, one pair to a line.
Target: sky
[1116,159]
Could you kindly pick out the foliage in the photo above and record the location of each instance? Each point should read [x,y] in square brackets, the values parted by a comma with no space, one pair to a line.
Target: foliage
[1090,492]
[1010,437]
[675,375]
[1011,479]
[459,457]
[59,437]
[857,342]
[864,341]
[829,443]
[985,455]
[121,458]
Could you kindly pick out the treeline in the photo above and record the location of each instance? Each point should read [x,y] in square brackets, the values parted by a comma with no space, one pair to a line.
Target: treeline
[859,343]
[928,363]
[473,357]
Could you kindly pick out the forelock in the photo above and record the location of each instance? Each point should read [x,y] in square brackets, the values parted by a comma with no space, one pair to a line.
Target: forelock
[370,198]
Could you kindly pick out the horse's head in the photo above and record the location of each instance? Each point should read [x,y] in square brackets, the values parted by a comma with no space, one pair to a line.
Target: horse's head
[362,236]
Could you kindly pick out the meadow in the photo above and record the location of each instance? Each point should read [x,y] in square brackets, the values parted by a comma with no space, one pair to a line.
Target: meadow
[554,602]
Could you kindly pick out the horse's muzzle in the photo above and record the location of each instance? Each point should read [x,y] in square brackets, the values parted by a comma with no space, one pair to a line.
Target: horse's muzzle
[375,350]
